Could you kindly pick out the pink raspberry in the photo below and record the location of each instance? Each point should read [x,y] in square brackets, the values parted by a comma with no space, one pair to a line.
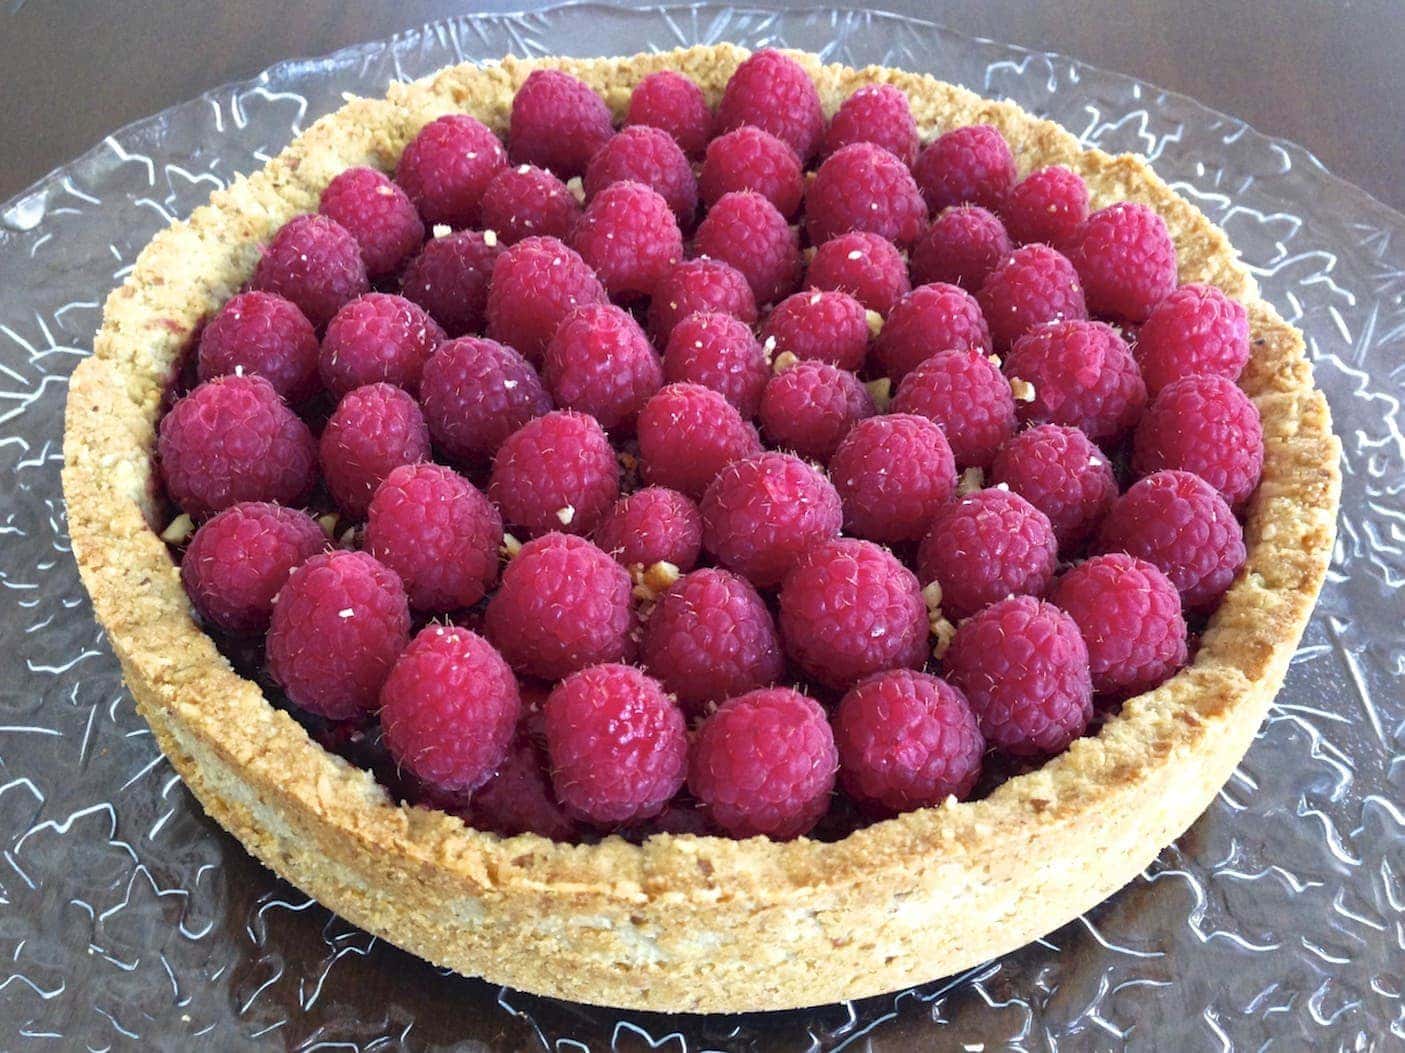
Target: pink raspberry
[377,337]
[764,764]
[811,406]
[475,393]
[339,623]
[907,740]
[652,525]
[258,332]
[893,473]
[238,560]
[850,609]
[649,156]
[378,214]
[773,92]
[719,352]
[824,326]
[1126,261]
[1059,471]
[747,158]
[672,102]
[699,285]
[536,284]
[562,605]
[524,201]
[230,440]
[971,165]
[965,393]
[929,319]
[449,279]
[687,434]
[447,166]
[1047,206]
[314,262]
[555,473]
[1033,285]
[519,798]
[1083,374]
[867,267]
[960,247]
[557,122]
[601,363]
[746,231]
[875,113]
[1195,331]
[864,187]
[1204,425]
[629,236]
[1130,618]
[373,431]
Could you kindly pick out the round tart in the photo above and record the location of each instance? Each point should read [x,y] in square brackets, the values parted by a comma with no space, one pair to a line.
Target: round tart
[683,922]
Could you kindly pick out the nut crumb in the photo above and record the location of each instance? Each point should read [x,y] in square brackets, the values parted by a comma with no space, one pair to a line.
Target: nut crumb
[510,546]
[490,238]
[932,596]
[441,230]
[329,523]
[875,322]
[882,392]
[943,630]
[179,531]
[567,515]
[972,479]
[577,188]
[1023,390]
[784,360]
[346,612]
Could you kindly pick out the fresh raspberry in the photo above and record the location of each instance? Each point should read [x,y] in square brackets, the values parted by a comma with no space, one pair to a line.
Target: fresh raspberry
[672,102]
[1180,524]
[1126,260]
[960,247]
[893,471]
[649,156]
[314,262]
[850,609]
[447,166]
[555,473]
[238,560]
[1047,206]
[557,122]
[562,605]
[449,279]
[230,440]
[378,214]
[811,406]
[971,165]
[966,394]
[373,431]
[709,637]
[931,318]
[519,799]
[601,363]
[761,513]
[377,337]
[687,434]
[875,113]
[867,267]
[264,334]
[773,92]
[823,326]
[1033,285]
[1059,471]
[652,525]
[747,158]
[475,393]
[864,187]
[339,623]
[907,740]
[630,237]
[699,285]
[746,231]
[719,352]
[1130,618]
[1083,375]
[438,532]
[536,284]
[524,201]
[1204,425]
[1195,331]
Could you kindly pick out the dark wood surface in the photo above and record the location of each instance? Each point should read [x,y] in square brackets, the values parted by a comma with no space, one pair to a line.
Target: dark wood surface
[1326,75]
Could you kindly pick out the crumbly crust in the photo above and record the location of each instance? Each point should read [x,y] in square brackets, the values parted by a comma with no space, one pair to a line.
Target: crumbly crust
[681,922]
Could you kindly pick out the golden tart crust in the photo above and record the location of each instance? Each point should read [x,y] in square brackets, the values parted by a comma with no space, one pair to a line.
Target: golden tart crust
[679,923]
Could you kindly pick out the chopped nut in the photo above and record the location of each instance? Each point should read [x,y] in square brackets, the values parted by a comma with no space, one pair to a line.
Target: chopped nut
[784,360]
[329,523]
[490,238]
[661,575]
[943,630]
[567,515]
[179,531]
[875,322]
[809,254]
[994,360]
[577,188]
[510,547]
[1023,390]
[348,538]
[441,230]
[882,392]
[932,596]
[972,479]
[346,612]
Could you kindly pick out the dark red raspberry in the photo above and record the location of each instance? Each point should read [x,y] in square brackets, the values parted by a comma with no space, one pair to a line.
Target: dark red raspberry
[238,560]
[687,434]
[1204,425]
[230,440]
[652,525]
[867,267]
[674,103]
[557,122]
[555,473]
[1059,471]
[699,285]
[378,214]
[1083,375]
[630,237]
[864,187]
[985,546]
[824,326]
[746,231]
[719,352]
[960,247]
[373,431]
[562,605]
[447,166]
[601,363]
[1033,285]
[475,393]
[747,158]
[339,623]
[929,319]
[449,279]
[893,472]
[811,406]
[1130,618]
[1195,331]
[536,284]
[519,798]
[764,763]
[1126,261]
[1047,206]
[377,337]
[850,609]
[264,334]
[314,262]
[773,92]
[966,394]
[907,740]
[875,113]
[761,513]
[524,201]
[649,156]
[971,165]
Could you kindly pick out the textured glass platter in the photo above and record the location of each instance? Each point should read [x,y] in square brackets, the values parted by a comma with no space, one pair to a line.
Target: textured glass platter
[129,919]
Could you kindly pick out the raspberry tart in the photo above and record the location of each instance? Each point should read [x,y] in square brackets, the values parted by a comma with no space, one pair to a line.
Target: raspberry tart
[778,532]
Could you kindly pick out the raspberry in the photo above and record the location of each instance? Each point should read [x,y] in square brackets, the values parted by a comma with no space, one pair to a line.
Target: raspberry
[438,532]
[811,406]
[960,247]
[709,637]
[893,472]
[649,156]
[378,214]
[373,431]
[1204,425]
[699,285]
[377,337]
[746,231]
[773,92]
[875,113]
[747,158]
[238,560]
[519,799]
[339,623]
[719,352]
[929,319]
[907,740]
[1047,206]
[449,279]
[562,605]
[1033,285]
[314,262]
[849,609]
[867,267]
[629,236]
[687,434]
[258,332]
[447,166]
[864,187]
[1177,522]
[556,472]
[761,513]
[672,102]
[524,201]
[824,326]
[537,283]
[652,525]
[1059,471]
[965,393]
[1195,331]
[618,745]
[1083,375]
[475,393]
[557,122]
[971,165]
[1126,261]
[601,363]
[230,440]
[1130,618]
